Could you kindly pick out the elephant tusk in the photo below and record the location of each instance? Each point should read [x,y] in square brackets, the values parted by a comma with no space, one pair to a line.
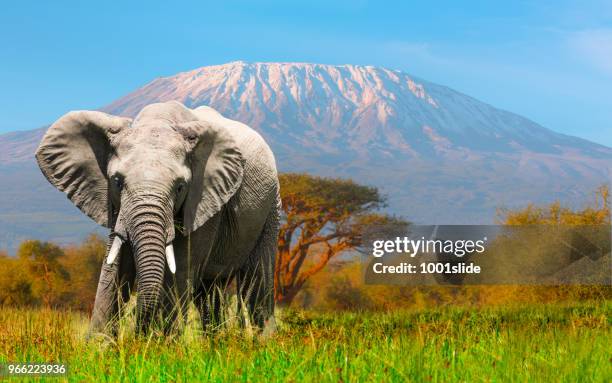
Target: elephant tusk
[170,258]
[114,250]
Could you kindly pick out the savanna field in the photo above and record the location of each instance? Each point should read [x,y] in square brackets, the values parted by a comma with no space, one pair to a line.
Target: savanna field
[562,342]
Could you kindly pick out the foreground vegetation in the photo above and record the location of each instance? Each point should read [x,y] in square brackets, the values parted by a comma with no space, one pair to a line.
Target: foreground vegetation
[403,333]
[561,343]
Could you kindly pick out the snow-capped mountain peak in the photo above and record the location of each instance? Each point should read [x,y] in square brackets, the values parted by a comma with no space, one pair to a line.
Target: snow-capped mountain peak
[338,107]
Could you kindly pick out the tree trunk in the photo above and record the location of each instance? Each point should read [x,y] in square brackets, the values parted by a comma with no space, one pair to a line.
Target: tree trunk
[285,299]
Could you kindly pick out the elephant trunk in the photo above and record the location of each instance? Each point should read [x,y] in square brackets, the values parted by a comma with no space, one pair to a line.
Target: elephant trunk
[148,221]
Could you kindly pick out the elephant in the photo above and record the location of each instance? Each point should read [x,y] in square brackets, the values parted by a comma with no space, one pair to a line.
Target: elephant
[192,202]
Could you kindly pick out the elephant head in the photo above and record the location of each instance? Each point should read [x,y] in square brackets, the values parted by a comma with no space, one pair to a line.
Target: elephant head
[143,178]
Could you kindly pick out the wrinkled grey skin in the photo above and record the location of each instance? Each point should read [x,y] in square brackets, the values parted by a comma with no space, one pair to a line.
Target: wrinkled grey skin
[190,178]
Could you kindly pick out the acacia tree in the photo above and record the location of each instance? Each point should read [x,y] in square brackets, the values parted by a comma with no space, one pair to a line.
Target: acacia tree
[327,214]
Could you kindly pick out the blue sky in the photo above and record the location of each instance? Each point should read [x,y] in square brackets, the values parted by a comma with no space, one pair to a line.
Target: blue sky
[550,61]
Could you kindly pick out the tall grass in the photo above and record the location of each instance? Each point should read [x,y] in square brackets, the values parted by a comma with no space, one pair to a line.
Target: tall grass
[560,343]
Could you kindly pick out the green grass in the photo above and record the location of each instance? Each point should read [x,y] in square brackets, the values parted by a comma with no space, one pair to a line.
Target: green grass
[551,343]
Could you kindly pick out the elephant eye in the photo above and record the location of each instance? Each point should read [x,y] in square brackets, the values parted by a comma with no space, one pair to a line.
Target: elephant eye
[180,187]
[117,181]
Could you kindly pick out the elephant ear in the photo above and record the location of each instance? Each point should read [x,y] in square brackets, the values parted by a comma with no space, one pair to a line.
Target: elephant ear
[217,168]
[73,155]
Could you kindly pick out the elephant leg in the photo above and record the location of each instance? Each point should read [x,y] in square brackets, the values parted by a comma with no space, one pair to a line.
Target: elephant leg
[175,300]
[208,300]
[116,279]
[255,280]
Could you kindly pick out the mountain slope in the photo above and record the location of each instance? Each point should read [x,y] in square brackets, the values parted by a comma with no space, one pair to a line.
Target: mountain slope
[439,155]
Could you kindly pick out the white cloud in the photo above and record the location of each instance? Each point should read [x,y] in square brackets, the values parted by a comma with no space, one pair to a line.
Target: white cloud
[594,46]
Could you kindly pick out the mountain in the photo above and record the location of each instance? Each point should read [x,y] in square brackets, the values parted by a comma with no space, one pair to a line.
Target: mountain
[438,155]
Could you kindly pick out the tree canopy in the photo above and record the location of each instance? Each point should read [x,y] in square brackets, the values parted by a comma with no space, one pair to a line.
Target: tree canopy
[557,214]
